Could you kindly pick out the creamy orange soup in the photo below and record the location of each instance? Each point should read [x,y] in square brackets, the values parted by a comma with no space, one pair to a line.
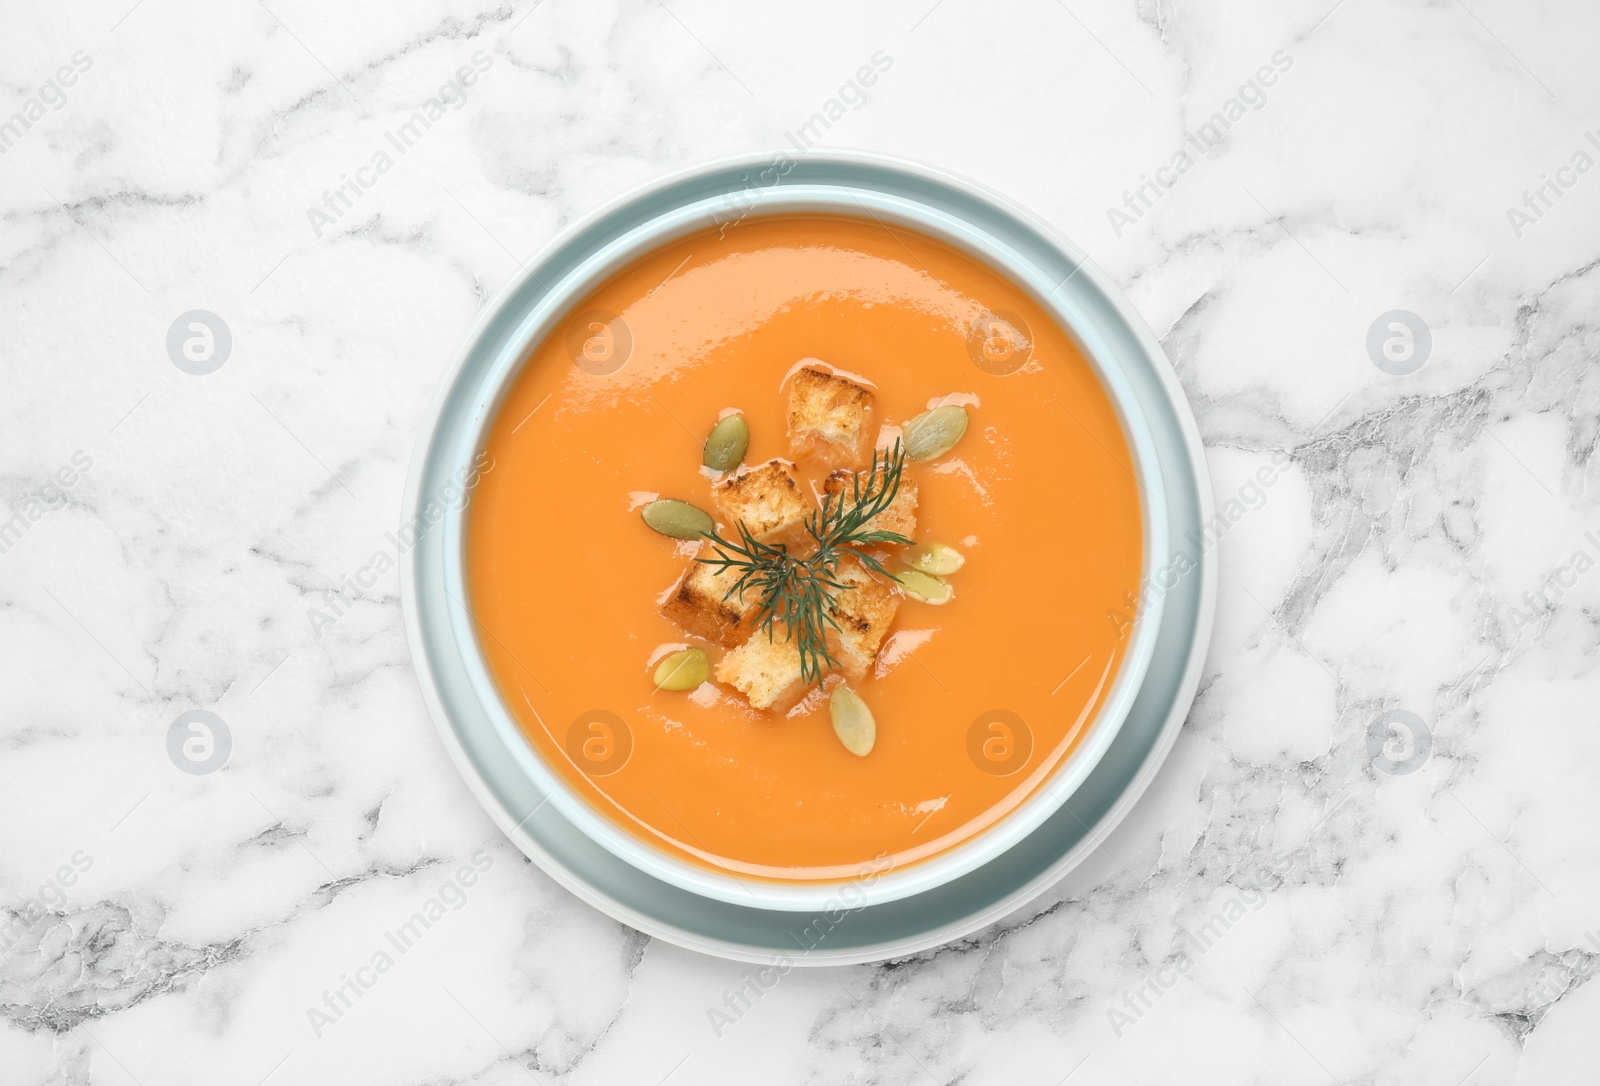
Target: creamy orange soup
[976,701]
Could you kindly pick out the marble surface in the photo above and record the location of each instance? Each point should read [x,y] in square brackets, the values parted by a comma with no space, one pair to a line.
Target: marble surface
[1417,907]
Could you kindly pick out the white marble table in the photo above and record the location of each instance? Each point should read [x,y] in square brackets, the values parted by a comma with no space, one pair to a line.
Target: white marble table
[1421,914]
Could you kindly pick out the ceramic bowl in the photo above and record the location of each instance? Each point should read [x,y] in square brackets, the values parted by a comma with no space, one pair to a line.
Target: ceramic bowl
[468,705]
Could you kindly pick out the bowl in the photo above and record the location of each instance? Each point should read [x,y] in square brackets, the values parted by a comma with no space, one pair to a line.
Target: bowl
[444,635]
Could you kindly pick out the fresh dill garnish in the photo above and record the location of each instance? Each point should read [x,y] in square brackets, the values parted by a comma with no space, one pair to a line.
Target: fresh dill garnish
[797,589]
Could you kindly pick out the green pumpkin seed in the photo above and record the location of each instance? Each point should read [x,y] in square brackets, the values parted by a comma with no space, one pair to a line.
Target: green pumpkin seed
[680,520]
[933,433]
[935,558]
[685,669]
[852,721]
[726,445]
[921,586]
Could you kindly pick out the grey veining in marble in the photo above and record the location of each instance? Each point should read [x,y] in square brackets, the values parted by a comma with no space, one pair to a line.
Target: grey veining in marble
[1372,856]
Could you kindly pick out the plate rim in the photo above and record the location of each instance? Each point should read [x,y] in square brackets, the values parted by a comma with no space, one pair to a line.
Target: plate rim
[1132,791]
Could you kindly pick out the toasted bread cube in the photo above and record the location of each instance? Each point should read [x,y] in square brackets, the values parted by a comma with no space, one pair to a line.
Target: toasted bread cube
[900,517]
[765,670]
[864,613]
[700,603]
[828,417]
[766,498]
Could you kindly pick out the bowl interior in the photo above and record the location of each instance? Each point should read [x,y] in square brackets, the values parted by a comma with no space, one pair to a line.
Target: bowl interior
[659,220]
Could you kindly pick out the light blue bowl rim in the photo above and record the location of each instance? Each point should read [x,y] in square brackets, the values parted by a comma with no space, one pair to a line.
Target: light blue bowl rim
[545,318]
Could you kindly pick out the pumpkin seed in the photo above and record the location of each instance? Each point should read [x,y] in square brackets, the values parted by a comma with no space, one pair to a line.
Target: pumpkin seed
[852,721]
[935,558]
[683,670]
[933,433]
[727,443]
[680,520]
[921,586]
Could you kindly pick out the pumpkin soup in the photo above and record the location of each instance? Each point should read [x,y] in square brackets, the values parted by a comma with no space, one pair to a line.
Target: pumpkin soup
[809,543]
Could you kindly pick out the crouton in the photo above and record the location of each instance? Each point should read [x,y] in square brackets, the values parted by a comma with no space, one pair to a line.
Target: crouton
[700,603]
[864,613]
[765,670]
[900,517]
[767,498]
[828,417]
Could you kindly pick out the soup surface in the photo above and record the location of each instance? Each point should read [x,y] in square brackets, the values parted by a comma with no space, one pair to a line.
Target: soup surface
[976,701]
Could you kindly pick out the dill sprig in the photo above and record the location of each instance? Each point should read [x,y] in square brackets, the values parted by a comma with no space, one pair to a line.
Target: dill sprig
[797,590]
